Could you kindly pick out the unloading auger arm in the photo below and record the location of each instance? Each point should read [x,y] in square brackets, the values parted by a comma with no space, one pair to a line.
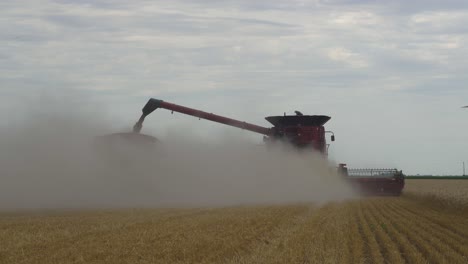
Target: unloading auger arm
[154,104]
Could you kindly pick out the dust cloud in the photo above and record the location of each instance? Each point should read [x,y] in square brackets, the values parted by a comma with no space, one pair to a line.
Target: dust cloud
[50,160]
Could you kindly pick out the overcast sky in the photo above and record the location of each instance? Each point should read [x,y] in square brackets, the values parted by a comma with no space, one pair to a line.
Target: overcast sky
[391,74]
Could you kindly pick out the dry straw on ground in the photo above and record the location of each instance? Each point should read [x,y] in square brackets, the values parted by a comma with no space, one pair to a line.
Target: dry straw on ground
[456,190]
[407,229]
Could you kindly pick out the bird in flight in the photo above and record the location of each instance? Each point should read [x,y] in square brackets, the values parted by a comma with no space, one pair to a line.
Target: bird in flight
[466,106]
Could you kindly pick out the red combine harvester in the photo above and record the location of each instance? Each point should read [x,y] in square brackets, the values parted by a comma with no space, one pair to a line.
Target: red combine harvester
[301,131]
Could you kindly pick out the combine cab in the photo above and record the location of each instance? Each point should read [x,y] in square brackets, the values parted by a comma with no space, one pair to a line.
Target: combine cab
[301,131]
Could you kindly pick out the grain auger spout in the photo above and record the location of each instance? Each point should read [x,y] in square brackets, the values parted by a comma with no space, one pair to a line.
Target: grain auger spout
[154,104]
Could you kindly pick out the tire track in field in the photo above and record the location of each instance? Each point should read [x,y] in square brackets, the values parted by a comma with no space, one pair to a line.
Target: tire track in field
[387,245]
[408,252]
[454,245]
[421,237]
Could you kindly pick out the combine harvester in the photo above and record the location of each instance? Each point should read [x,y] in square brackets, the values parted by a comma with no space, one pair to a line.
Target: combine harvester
[301,131]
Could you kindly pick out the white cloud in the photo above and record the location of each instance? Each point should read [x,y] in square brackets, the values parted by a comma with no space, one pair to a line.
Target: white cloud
[344,55]
[440,19]
[356,18]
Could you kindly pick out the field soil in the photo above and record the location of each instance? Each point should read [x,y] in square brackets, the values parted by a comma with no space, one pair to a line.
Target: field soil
[418,227]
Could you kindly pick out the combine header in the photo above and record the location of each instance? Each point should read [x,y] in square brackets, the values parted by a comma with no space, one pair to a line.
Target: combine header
[301,131]
[375,181]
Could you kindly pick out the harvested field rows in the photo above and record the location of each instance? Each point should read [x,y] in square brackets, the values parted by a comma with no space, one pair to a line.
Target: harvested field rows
[372,230]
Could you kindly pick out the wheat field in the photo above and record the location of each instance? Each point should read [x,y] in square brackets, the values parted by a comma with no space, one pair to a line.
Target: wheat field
[413,228]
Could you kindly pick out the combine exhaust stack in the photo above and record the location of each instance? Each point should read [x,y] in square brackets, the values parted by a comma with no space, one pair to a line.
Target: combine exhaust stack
[301,131]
